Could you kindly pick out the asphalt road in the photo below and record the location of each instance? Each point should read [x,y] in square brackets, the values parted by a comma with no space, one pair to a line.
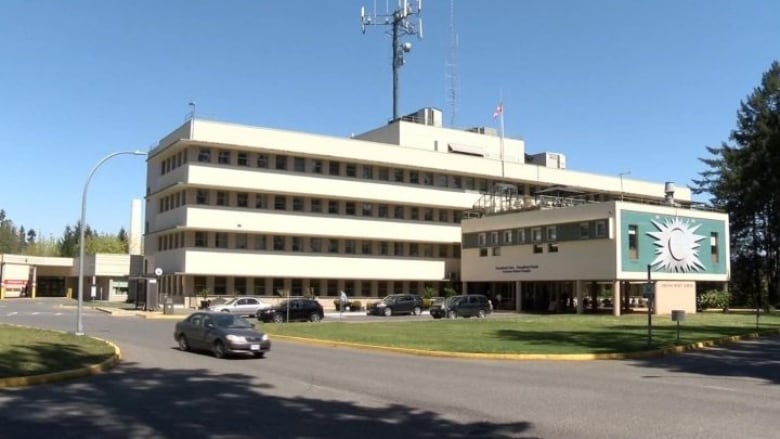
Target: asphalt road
[303,391]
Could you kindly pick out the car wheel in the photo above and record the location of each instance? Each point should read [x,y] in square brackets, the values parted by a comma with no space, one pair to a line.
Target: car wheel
[452,314]
[481,314]
[219,349]
[315,317]
[183,345]
[388,312]
[417,311]
[259,354]
[278,318]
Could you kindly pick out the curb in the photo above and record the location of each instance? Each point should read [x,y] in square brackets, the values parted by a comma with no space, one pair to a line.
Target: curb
[534,357]
[93,369]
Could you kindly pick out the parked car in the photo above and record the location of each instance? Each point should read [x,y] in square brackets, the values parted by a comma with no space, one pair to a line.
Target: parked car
[221,333]
[469,305]
[396,304]
[292,310]
[242,306]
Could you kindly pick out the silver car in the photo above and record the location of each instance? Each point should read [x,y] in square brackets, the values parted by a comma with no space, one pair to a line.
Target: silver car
[241,306]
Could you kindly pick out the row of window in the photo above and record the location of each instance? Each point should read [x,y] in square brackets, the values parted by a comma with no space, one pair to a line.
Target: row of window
[305,204]
[262,286]
[518,236]
[552,247]
[306,244]
[280,162]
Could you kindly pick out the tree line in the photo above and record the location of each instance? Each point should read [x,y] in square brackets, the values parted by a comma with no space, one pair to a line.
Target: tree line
[18,240]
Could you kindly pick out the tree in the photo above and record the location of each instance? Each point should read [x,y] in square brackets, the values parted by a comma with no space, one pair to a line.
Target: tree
[742,180]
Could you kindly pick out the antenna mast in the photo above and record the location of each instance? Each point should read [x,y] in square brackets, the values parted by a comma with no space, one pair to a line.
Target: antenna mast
[452,67]
[402,26]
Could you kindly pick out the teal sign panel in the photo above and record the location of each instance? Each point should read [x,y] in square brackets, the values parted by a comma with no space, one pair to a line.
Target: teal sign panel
[675,244]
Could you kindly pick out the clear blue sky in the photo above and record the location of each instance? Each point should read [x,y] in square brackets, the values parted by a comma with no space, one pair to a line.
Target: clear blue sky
[615,85]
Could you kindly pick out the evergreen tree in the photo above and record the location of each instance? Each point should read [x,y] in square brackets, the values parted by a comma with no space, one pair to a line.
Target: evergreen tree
[742,179]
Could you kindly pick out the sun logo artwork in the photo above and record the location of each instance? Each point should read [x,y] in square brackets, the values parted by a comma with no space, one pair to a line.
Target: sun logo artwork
[677,245]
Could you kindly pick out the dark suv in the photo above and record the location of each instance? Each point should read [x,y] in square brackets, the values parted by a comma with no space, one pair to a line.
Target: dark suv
[292,309]
[470,305]
[397,304]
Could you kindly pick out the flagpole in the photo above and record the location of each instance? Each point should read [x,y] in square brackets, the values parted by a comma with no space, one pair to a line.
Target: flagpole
[501,127]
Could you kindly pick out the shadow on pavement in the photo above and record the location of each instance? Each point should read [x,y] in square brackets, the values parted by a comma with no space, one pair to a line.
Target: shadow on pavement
[133,402]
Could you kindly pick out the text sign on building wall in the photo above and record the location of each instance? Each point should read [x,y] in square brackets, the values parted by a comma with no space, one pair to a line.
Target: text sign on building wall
[516,268]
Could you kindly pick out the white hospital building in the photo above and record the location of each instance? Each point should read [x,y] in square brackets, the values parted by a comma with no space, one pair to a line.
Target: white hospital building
[235,209]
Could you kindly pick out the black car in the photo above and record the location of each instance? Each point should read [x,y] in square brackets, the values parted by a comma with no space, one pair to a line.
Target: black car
[396,304]
[222,333]
[292,310]
[470,305]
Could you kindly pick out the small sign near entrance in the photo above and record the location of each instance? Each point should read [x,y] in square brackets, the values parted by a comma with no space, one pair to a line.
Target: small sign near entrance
[648,291]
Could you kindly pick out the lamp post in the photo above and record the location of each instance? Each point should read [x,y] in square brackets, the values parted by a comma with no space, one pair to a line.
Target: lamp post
[621,182]
[82,225]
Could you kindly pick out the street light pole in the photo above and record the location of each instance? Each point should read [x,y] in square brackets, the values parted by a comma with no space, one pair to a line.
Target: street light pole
[82,225]
[621,182]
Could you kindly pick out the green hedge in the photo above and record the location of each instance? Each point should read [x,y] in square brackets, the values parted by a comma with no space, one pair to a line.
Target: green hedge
[716,299]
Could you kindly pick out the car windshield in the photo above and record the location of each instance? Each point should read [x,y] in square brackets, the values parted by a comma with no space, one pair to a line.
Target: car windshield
[389,299]
[451,300]
[230,321]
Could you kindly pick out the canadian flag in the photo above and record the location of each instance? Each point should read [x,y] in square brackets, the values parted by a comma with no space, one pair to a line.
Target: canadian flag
[499,110]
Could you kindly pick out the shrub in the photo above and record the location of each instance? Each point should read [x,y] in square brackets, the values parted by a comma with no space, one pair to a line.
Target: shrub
[714,299]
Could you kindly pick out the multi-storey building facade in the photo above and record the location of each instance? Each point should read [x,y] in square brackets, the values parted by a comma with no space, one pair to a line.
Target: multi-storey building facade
[233,209]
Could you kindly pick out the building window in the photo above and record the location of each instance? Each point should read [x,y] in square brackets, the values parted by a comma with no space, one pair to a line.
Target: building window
[552,233]
[221,240]
[427,178]
[279,243]
[368,172]
[351,170]
[242,199]
[350,208]
[262,160]
[298,204]
[366,247]
[507,236]
[316,205]
[457,182]
[456,216]
[427,250]
[714,248]
[199,283]
[204,155]
[493,238]
[414,177]
[633,242]
[398,249]
[220,285]
[496,251]
[333,245]
[601,229]
[384,248]
[414,249]
[368,209]
[202,196]
[442,180]
[383,211]
[584,231]
[398,175]
[299,164]
[398,212]
[260,201]
[222,198]
[334,168]
[260,242]
[241,241]
[259,283]
[224,157]
[316,166]
[483,252]
[536,234]
[239,285]
[349,246]
[384,174]
[297,244]
[443,250]
[482,239]
[280,202]
[414,213]
[243,159]
[428,214]
[315,245]
[520,235]
[333,207]
[281,162]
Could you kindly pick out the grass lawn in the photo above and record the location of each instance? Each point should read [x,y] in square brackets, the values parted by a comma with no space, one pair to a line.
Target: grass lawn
[30,351]
[533,334]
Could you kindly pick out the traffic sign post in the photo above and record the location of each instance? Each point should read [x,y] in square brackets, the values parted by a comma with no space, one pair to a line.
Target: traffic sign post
[649,294]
